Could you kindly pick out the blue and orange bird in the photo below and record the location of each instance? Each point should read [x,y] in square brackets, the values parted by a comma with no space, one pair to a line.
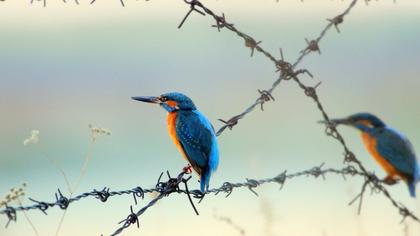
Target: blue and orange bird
[391,149]
[191,132]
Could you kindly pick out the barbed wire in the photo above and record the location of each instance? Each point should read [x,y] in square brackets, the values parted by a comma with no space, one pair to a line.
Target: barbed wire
[170,186]
[288,71]
[44,2]
[285,68]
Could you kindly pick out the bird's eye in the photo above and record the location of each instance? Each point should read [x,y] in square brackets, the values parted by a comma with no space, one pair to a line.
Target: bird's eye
[163,99]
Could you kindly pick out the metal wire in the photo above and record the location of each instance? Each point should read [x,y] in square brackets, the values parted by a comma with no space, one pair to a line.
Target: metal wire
[170,186]
[287,71]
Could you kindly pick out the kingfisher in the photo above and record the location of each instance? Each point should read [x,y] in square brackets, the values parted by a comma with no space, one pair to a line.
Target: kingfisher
[192,133]
[390,148]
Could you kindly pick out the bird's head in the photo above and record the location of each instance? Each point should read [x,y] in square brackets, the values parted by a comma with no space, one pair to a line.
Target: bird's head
[366,120]
[169,101]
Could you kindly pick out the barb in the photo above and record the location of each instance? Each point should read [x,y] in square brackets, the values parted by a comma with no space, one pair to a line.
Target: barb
[63,202]
[281,65]
[44,2]
[165,189]
[288,71]
[285,68]
[121,1]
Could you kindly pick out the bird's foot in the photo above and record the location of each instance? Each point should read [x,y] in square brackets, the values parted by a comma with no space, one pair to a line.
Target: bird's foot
[390,180]
[187,169]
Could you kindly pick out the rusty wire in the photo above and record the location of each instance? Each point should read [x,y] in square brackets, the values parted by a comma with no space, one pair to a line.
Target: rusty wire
[170,186]
[123,4]
[288,71]
[75,1]
[44,2]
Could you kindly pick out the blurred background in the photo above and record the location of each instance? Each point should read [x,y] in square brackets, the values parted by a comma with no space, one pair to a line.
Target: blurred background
[67,66]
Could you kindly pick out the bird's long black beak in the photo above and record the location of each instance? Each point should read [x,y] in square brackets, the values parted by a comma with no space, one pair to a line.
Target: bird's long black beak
[148,99]
[343,121]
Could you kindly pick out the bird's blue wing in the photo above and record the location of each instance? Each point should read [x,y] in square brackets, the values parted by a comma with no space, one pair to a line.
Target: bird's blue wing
[398,151]
[196,139]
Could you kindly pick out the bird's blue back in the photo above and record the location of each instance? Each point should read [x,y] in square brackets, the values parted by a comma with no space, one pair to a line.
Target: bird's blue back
[399,152]
[198,140]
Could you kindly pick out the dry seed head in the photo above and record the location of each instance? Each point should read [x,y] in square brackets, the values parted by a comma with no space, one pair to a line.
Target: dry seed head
[97,131]
[33,139]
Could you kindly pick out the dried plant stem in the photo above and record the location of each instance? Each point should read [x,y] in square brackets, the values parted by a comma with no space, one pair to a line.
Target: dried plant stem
[27,218]
[88,157]
[57,166]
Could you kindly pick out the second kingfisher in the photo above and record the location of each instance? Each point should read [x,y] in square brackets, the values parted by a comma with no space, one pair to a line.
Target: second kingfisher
[191,132]
[391,149]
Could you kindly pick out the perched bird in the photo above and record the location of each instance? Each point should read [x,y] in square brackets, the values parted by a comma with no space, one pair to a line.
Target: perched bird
[191,132]
[391,149]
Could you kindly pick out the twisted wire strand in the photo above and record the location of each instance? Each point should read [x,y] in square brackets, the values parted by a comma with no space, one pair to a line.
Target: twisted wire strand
[288,71]
[170,186]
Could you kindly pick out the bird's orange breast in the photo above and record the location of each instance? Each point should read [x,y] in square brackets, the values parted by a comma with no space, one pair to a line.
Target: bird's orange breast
[171,120]
[370,144]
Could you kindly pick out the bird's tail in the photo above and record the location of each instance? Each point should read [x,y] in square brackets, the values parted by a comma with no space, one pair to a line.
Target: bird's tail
[412,188]
[205,181]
